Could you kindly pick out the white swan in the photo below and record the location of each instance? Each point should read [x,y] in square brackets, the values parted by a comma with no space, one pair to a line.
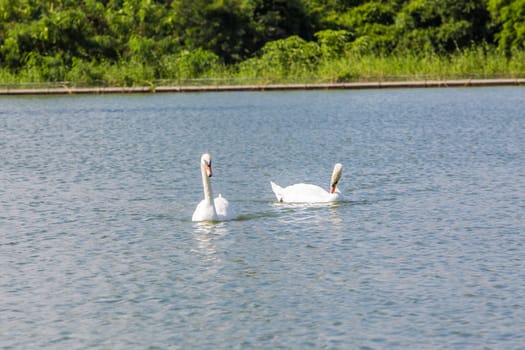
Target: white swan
[306,193]
[210,209]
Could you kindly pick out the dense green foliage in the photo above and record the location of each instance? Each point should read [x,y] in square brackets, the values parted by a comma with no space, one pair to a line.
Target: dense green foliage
[127,42]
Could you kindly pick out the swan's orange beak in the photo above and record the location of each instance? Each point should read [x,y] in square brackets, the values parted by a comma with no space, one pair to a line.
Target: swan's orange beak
[209,172]
[332,188]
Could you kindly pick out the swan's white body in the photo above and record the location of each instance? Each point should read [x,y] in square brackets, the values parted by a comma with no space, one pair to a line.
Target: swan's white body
[210,209]
[306,193]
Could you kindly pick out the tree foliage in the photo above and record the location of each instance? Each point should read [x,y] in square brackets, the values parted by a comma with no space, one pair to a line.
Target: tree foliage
[508,20]
[60,39]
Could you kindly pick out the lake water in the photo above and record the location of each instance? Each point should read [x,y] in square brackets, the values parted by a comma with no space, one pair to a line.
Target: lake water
[98,250]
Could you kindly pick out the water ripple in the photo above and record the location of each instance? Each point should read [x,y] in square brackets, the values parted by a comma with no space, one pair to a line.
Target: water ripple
[98,249]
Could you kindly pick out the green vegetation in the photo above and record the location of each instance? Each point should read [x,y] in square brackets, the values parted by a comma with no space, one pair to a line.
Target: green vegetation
[147,42]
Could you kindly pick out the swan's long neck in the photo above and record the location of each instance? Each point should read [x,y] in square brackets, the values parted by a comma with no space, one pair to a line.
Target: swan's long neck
[208,193]
[336,176]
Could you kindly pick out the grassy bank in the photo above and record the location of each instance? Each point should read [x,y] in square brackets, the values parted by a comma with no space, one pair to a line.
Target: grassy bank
[476,63]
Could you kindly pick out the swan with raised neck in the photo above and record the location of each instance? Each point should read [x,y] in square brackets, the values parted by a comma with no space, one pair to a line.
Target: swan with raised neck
[210,209]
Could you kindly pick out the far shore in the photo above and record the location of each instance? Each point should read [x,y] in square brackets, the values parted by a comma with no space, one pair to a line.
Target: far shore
[263,87]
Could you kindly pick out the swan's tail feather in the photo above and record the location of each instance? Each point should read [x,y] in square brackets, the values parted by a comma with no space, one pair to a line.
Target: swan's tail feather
[278,190]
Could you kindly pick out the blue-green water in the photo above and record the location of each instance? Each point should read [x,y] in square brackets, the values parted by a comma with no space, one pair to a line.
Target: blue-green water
[98,250]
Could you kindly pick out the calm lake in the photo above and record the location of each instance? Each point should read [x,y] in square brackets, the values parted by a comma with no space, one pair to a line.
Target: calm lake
[98,250]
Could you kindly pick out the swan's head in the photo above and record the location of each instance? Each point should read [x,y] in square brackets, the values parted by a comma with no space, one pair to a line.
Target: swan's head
[336,175]
[206,164]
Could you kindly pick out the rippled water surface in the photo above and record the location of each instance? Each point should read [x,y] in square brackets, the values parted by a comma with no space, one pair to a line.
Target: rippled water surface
[98,250]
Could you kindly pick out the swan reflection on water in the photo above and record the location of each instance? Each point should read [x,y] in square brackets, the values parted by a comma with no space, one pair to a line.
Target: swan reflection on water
[205,235]
[308,211]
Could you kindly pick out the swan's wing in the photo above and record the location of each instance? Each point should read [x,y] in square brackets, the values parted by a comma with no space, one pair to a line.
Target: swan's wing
[223,208]
[278,190]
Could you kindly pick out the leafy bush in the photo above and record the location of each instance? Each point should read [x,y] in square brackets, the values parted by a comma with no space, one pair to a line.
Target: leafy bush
[189,64]
[332,43]
[292,55]
[86,72]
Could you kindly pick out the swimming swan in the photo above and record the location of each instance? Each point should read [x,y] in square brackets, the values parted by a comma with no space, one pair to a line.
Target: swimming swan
[306,193]
[210,209]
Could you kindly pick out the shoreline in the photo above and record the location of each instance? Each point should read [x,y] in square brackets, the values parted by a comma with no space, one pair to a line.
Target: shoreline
[269,87]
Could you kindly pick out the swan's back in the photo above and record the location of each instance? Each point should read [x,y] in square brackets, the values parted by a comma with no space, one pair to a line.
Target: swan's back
[304,193]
